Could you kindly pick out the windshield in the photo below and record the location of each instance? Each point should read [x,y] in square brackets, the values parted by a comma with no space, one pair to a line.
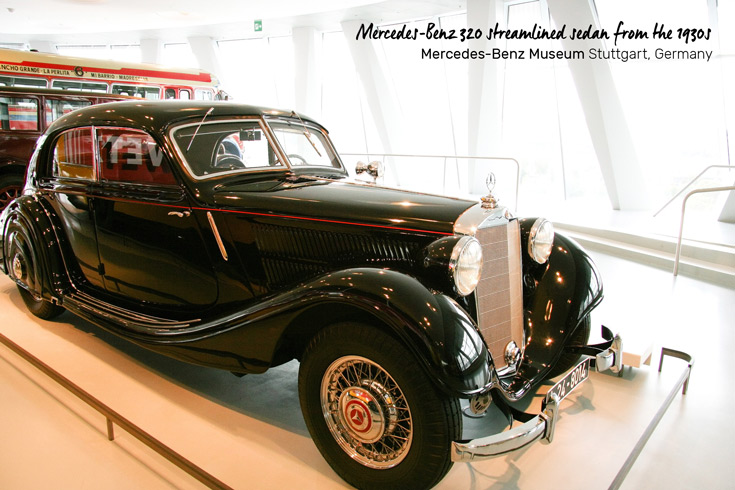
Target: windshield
[214,148]
[304,146]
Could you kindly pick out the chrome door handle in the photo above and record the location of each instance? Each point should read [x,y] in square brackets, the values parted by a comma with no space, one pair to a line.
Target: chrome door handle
[179,213]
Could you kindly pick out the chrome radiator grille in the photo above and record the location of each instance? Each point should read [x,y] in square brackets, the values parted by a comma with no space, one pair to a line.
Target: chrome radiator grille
[500,292]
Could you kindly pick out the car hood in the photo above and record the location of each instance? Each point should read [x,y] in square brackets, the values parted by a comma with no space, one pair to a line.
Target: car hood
[343,202]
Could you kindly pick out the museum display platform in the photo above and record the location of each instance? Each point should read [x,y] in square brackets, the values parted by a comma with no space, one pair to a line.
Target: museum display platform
[249,433]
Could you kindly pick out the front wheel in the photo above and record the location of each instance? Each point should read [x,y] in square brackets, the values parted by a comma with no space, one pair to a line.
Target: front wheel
[373,413]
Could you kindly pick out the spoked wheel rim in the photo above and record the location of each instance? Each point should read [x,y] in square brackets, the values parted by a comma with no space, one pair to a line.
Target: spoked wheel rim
[7,194]
[366,412]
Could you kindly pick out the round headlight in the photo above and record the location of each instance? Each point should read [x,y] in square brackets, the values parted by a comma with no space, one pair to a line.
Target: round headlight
[466,264]
[541,240]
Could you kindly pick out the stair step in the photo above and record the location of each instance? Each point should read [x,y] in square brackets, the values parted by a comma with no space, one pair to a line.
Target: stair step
[708,262]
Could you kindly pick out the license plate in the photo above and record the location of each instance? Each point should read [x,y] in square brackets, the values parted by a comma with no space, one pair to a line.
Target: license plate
[573,378]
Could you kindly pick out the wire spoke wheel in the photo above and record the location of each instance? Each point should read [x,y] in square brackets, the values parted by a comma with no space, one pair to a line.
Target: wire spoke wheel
[373,412]
[8,192]
[366,412]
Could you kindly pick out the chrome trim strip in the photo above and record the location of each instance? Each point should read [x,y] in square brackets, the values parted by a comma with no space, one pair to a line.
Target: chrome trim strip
[217,236]
[476,216]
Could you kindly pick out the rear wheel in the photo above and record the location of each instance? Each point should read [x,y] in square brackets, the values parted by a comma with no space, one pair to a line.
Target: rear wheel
[40,307]
[23,268]
[374,414]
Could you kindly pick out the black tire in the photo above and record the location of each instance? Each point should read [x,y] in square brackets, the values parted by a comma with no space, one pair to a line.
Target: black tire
[23,268]
[404,443]
[11,186]
[40,307]
[567,361]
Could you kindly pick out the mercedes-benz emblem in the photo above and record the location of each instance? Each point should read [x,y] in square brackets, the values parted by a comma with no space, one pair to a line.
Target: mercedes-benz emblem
[489,201]
[490,182]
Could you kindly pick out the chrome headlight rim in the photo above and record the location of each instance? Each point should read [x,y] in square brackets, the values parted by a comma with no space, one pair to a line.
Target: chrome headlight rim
[541,240]
[465,265]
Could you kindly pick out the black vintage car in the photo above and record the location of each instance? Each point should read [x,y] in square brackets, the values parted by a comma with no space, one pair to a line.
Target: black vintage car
[231,236]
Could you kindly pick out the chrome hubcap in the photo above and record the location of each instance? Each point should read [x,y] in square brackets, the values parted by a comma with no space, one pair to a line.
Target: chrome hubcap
[18,267]
[366,412]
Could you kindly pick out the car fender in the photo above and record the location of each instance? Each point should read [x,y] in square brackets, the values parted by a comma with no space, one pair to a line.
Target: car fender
[558,295]
[27,220]
[433,326]
[440,334]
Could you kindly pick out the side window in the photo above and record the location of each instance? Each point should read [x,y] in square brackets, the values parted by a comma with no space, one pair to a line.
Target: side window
[23,82]
[55,108]
[84,86]
[18,114]
[74,155]
[170,93]
[202,94]
[184,94]
[128,155]
[151,93]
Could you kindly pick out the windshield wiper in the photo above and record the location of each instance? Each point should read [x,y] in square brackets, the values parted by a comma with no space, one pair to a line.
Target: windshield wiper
[197,129]
[307,133]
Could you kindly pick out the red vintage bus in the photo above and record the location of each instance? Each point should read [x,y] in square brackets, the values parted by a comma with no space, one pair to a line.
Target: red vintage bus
[43,70]
[25,113]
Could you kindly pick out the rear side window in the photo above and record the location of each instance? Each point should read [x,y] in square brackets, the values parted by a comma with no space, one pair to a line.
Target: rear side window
[74,155]
[18,114]
[128,155]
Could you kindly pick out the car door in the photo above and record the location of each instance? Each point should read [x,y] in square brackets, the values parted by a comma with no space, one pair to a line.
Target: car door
[149,242]
[72,175]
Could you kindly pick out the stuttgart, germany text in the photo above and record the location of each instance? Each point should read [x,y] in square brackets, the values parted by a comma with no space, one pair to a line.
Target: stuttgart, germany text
[623,55]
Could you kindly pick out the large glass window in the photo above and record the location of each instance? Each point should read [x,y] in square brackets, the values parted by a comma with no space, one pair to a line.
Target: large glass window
[259,71]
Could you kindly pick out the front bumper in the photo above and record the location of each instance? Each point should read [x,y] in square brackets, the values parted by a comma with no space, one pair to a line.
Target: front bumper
[539,427]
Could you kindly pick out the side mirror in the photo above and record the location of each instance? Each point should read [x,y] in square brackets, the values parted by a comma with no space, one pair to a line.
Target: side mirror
[369,172]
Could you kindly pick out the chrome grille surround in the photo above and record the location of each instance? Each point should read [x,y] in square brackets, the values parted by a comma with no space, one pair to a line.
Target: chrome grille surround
[499,294]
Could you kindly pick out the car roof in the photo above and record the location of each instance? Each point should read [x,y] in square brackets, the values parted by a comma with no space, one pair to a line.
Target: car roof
[157,115]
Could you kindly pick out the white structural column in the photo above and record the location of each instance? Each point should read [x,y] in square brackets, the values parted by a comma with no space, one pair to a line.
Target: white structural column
[151,50]
[205,52]
[43,46]
[485,88]
[379,92]
[307,81]
[603,111]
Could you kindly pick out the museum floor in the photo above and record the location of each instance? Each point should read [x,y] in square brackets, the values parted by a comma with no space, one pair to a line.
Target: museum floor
[249,432]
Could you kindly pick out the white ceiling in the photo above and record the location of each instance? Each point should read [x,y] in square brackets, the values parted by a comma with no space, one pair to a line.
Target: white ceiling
[109,21]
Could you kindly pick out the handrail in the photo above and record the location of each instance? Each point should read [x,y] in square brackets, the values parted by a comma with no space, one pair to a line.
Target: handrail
[446,157]
[683,383]
[114,417]
[683,212]
[690,183]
